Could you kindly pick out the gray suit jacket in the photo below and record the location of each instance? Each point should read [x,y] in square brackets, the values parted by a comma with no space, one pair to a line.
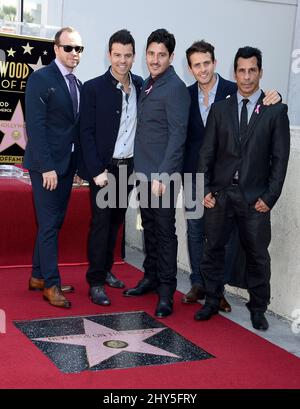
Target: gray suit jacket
[162,126]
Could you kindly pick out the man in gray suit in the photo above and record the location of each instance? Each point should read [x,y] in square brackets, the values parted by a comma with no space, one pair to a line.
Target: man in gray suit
[162,118]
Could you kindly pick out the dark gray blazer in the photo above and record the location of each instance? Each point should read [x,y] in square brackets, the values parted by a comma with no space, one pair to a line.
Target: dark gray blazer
[162,126]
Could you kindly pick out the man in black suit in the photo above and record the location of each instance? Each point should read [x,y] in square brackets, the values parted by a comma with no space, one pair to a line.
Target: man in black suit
[244,157]
[209,87]
[107,129]
[158,154]
[52,101]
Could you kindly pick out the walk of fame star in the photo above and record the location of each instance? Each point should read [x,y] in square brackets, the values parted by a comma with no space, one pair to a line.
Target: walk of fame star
[102,342]
[11,52]
[38,65]
[27,48]
[14,130]
[109,341]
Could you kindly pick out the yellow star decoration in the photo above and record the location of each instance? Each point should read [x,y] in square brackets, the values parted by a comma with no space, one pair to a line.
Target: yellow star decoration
[11,52]
[27,48]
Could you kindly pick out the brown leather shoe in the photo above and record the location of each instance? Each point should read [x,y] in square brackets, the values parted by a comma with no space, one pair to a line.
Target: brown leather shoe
[38,284]
[195,294]
[55,297]
[224,305]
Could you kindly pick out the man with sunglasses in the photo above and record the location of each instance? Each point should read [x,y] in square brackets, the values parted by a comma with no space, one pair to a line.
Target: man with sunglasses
[52,104]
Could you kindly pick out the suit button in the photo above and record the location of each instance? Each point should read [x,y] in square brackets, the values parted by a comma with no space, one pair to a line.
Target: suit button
[118,112]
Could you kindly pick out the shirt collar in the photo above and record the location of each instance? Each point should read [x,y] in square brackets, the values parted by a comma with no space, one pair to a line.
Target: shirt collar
[64,71]
[213,91]
[252,98]
[119,85]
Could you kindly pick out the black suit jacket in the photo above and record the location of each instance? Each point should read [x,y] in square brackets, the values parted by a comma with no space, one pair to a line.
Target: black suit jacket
[196,127]
[261,158]
[100,115]
[50,123]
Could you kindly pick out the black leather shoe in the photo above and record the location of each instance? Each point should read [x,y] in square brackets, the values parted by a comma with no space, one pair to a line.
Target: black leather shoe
[164,307]
[98,296]
[259,320]
[206,312]
[113,281]
[143,287]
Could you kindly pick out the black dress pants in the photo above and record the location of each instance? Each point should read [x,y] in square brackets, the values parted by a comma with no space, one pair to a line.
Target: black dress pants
[160,264]
[255,234]
[105,226]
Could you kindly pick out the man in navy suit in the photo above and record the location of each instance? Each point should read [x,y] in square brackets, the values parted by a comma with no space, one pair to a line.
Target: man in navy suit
[108,118]
[209,87]
[244,156]
[52,102]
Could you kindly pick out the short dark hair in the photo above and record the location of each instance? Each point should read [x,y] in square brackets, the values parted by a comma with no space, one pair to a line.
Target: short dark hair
[200,47]
[248,52]
[162,36]
[123,37]
[61,31]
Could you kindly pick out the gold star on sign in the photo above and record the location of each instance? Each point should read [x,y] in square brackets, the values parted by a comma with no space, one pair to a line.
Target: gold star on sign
[11,52]
[27,48]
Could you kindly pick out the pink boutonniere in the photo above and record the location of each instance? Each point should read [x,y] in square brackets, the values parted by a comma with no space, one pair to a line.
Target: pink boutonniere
[257,109]
[147,91]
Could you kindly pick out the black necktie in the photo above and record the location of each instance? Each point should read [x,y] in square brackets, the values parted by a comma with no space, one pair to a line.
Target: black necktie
[244,119]
[73,92]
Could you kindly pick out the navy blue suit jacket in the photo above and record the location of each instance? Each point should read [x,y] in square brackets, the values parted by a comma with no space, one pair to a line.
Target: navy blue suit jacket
[100,115]
[50,123]
[196,127]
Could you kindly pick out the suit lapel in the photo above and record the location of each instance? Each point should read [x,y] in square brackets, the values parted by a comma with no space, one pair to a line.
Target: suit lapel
[222,91]
[257,113]
[195,105]
[63,85]
[233,107]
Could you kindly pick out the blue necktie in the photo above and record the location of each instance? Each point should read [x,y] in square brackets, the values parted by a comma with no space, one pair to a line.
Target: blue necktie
[73,92]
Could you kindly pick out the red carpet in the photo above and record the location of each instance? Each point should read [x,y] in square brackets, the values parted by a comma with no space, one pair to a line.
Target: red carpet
[242,359]
[18,226]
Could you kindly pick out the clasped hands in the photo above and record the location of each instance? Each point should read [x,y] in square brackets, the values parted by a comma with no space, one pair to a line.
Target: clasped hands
[158,188]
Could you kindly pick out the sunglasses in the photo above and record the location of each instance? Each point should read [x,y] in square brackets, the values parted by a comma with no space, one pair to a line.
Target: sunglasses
[69,48]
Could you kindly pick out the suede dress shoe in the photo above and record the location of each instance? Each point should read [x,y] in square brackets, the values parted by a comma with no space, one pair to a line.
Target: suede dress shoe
[164,308]
[206,312]
[259,320]
[224,305]
[143,287]
[38,284]
[55,297]
[195,294]
[98,295]
[113,281]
